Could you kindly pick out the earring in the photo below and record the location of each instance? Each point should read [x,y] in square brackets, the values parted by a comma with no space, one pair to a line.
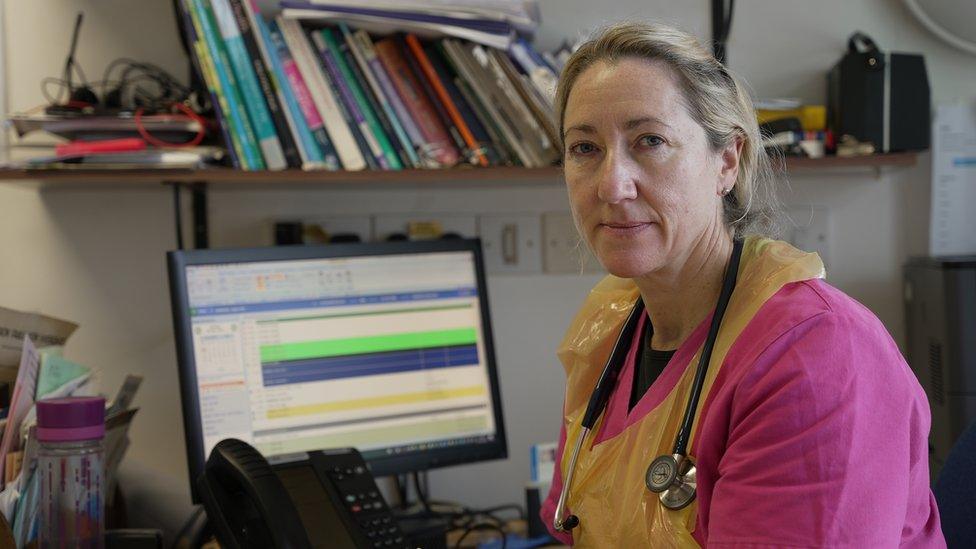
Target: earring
[726,191]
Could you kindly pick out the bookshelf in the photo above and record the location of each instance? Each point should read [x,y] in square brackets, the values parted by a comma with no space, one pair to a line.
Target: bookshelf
[495,177]
[198,181]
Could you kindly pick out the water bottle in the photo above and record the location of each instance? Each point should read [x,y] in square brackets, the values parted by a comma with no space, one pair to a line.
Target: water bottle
[70,461]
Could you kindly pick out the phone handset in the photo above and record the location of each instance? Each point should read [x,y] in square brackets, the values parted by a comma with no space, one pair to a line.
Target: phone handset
[246,502]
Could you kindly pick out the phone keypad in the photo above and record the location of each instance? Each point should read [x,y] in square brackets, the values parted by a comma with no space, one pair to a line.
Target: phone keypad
[366,504]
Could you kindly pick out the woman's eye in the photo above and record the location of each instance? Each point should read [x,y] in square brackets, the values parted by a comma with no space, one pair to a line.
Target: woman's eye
[583,148]
[650,140]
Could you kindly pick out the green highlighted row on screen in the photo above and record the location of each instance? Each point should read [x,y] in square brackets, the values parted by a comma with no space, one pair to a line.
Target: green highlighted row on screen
[369,344]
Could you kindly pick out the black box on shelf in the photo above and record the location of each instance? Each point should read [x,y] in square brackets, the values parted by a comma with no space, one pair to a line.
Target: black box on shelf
[878,97]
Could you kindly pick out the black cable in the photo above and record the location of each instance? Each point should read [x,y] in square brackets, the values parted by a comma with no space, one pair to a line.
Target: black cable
[482,526]
[421,496]
[179,216]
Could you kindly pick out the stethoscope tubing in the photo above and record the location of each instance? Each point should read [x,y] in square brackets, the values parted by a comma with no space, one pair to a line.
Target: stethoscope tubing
[725,295]
[608,379]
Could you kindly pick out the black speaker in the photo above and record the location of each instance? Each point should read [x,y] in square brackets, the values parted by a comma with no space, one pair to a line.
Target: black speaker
[881,98]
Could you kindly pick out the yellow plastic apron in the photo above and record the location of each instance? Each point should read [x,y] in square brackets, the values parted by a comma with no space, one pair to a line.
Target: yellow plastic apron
[608,492]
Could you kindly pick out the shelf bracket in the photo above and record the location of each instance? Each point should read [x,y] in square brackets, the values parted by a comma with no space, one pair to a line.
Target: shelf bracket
[201,224]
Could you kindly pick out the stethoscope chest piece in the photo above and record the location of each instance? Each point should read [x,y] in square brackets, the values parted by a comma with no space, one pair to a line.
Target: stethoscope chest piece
[674,479]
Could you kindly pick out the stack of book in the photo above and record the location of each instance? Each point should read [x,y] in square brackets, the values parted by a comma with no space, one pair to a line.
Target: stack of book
[309,90]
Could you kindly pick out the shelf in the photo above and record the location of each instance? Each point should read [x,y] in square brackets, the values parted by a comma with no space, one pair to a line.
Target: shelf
[226,178]
[876,161]
[461,177]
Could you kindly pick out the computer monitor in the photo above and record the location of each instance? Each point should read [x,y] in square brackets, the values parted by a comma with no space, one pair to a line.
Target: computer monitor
[384,347]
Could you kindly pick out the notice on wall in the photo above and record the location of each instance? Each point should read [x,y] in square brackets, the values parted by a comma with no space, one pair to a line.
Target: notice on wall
[953,220]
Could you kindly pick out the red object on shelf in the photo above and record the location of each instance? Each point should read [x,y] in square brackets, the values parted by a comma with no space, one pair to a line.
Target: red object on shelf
[126,144]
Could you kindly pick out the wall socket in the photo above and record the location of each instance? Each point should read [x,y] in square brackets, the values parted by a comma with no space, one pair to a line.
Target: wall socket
[563,250]
[809,229]
[511,243]
[385,225]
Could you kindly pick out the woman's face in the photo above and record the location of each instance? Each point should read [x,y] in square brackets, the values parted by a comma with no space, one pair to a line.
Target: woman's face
[644,184]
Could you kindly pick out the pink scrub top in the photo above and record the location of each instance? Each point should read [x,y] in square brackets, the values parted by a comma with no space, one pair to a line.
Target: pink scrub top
[814,433]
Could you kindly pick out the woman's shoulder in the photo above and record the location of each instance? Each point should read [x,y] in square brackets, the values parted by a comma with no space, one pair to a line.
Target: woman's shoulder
[812,329]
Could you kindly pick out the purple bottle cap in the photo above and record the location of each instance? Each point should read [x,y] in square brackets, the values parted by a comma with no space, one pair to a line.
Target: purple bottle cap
[71,418]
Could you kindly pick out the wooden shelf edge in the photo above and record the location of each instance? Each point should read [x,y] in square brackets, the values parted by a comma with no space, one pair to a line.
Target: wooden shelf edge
[461,177]
[900,159]
[221,177]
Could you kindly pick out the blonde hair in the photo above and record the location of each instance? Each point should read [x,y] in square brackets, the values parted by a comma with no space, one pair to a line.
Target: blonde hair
[715,99]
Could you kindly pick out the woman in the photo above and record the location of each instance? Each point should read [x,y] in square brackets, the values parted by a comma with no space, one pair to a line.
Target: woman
[810,429]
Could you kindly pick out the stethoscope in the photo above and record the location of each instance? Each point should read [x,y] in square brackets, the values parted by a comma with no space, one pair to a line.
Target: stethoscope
[672,477]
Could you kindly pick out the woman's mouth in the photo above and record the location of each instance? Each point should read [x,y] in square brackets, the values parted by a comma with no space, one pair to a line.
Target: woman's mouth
[625,228]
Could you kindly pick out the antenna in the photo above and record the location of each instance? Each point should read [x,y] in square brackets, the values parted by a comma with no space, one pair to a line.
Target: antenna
[69,63]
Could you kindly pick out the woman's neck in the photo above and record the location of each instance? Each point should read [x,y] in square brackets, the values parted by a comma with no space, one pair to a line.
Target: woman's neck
[679,296]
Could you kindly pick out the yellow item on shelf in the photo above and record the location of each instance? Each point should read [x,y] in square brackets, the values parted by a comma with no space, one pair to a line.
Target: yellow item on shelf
[812,117]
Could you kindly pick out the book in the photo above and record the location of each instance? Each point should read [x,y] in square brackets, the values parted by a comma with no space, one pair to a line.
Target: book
[260,65]
[303,99]
[542,116]
[203,18]
[483,139]
[542,76]
[432,99]
[321,92]
[387,156]
[380,105]
[490,31]
[366,142]
[506,153]
[401,113]
[200,60]
[531,128]
[254,101]
[438,86]
[491,100]
[437,144]
[310,153]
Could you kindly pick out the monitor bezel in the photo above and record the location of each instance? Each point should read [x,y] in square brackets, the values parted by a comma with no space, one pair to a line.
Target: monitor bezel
[179,260]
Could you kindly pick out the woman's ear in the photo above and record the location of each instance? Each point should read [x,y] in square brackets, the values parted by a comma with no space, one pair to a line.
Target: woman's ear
[729,167]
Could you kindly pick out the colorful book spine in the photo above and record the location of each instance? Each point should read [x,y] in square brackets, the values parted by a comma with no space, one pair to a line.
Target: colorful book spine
[343,79]
[265,78]
[402,114]
[303,99]
[353,40]
[228,86]
[257,108]
[202,65]
[430,95]
[371,100]
[333,116]
[369,156]
[489,98]
[506,153]
[308,149]
[448,79]
[437,87]
[437,142]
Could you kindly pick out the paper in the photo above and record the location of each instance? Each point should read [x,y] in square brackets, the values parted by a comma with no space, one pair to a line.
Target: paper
[43,330]
[127,392]
[22,399]
[953,220]
[56,371]
[115,443]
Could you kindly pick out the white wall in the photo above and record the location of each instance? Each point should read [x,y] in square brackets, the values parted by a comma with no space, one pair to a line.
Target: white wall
[97,256]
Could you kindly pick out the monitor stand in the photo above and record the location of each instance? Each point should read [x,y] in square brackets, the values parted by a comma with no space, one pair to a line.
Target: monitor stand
[421,526]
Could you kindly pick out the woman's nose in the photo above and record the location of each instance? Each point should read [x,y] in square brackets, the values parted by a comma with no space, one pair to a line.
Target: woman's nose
[618,177]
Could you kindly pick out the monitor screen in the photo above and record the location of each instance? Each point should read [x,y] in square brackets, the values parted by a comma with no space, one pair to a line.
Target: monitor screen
[383,347]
